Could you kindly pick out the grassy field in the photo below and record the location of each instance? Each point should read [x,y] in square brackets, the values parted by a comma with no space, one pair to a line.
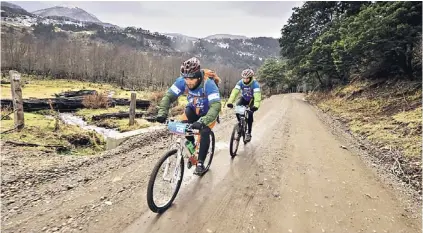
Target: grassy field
[121,125]
[46,88]
[388,114]
[40,128]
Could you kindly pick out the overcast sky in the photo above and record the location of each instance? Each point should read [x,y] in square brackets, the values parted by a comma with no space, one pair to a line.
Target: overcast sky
[198,19]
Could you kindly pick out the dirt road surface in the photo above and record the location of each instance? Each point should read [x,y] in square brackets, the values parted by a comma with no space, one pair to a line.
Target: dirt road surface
[294,176]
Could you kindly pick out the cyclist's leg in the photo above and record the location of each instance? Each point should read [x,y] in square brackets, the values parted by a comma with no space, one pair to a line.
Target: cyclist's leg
[237,104]
[190,117]
[250,122]
[204,145]
[250,117]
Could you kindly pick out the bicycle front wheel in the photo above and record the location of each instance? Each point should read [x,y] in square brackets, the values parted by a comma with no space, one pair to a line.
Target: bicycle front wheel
[234,143]
[165,181]
[244,131]
[210,153]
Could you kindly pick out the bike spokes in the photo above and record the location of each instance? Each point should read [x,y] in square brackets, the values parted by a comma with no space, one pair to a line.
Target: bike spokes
[168,176]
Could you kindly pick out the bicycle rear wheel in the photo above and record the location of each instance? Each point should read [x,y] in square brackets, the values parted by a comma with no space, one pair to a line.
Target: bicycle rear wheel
[160,196]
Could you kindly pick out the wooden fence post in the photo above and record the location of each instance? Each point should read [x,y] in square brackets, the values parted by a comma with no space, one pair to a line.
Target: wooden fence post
[133,104]
[15,83]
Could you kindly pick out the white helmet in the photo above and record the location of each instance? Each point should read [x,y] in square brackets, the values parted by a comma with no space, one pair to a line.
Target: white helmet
[247,73]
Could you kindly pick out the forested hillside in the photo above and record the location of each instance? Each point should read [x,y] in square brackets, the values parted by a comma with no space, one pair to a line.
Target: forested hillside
[330,43]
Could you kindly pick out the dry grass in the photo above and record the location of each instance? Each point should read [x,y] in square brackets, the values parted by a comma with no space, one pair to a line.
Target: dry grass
[177,110]
[155,99]
[88,113]
[389,115]
[411,117]
[122,125]
[96,101]
[46,88]
[39,129]
[6,113]
[139,124]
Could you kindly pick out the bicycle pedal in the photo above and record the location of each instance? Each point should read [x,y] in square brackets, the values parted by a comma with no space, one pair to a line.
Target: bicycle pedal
[191,161]
[199,173]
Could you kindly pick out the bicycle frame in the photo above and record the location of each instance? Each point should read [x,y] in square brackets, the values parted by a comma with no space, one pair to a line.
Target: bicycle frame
[173,177]
[242,111]
[180,147]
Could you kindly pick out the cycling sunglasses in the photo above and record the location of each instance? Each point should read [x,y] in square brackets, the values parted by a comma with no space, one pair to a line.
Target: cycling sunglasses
[188,77]
[192,75]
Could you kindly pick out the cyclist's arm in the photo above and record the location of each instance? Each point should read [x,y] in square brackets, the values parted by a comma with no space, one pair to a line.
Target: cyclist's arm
[212,114]
[213,96]
[234,93]
[171,95]
[257,94]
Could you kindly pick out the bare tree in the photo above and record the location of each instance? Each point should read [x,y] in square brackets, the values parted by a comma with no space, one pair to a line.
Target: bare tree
[96,61]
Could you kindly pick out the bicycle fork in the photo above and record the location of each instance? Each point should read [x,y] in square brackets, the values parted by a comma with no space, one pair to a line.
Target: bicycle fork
[177,165]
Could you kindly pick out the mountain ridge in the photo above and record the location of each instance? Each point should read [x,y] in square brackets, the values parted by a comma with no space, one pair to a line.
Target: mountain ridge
[11,5]
[237,51]
[79,14]
[74,13]
[226,36]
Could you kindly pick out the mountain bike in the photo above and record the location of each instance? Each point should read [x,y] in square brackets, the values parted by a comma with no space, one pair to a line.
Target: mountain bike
[171,166]
[240,129]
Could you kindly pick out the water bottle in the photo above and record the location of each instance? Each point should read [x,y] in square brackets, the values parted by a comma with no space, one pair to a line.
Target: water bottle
[190,146]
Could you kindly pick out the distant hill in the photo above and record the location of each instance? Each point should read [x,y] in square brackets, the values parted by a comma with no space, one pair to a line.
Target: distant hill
[73,13]
[225,36]
[233,50]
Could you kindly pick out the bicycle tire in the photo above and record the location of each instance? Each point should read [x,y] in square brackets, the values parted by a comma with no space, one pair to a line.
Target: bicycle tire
[233,150]
[150,200]
[212,144]
[243,130]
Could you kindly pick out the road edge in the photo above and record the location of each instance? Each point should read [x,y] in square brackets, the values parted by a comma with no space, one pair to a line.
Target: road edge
[408,196]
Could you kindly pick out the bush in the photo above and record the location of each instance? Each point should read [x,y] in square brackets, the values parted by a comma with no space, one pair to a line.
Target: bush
[6,113]
[177,110]
[155,99]
[99,100]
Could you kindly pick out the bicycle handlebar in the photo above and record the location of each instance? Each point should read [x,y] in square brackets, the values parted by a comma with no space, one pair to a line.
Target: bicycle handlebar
[188,130]
[247,108]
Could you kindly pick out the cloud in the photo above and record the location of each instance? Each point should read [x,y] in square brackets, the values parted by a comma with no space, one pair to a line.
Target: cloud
[265,9]
[198,19]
